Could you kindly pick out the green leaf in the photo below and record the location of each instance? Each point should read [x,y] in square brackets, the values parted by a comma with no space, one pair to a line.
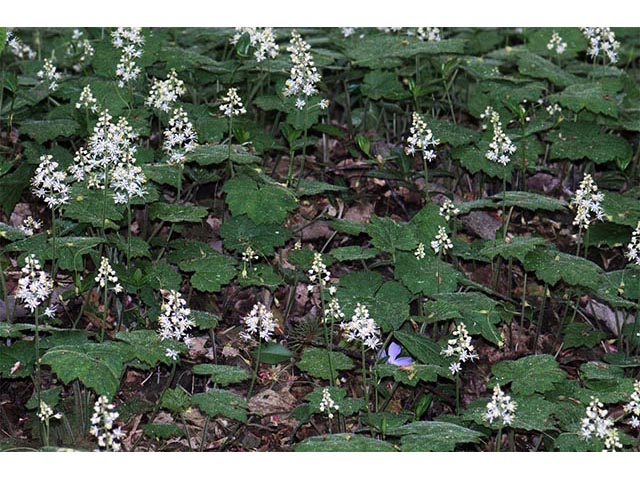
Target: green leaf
[239,232]
[88,206]
[222,403]
[343,442]
[223,375]
[12,185]
[388,302]
[589,96]
[204,320]
[162,275]
[473,159]
[43,130]
[433,436]
[261,275]
[347,406]
[517,247]
[309,188]
[428,275]
[551,266]
[176,400]
[421,348]
[389,236]
[146,346]
[379,84]
[577,141]
[530,201]
[97,366]
[163,431]
[412,374]
[262,203]
[162,174]
[139,247]
[274,353]
[581,335]
[451,133]
[427,223]
[349,227]
[51,397]
[622,209]
[349,254]
[170,212]
[315,361]
[527,375]
[574,442]
[535,66]
[21,351]
[601,371]
[211,272]
[10,233]
[205,155]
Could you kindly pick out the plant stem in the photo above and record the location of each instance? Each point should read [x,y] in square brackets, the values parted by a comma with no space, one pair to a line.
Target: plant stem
[499,440]
[457,393]
[364,380]
[128,234]
[255,371]
[231,171]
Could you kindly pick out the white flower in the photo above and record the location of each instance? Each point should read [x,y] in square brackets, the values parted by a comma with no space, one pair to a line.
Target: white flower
[587,202]
[102,425]
[304,75]
[327,403]
[30,225]
[129,41]
[50,73]
[557,44]
[45,413]
[259,321]
[35,285]
[107,276]
[601,39]
[324,104]
[501,147]
[333,311]
[50,311]
[420,253]
[362,327]
[79,48]
[172,354]
[87,100]
[318,274]
[596,423]
[262,40]
[174,320]
[249,254]
[461,347]
[232,104]
[553,109]
[49,183]
[442,241]
[430,34]
[633,406]
[179,137]
[347,31]
[421,139]
[500,407]
[19,48]
[164,93]
[448,210]
[633,249]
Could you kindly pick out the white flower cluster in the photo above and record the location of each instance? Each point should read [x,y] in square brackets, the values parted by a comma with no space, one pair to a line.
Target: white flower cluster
[107,276]
[49,183]
[174,320]
[30,225]
[179,137]
[442,241]
[104,415]
[553,109]
[587,202]
[259,321]
[249,254]
[304,75]
[50,73]
[362,327]
[430,34]
[127,181]
[601,39]
[232,104]
[501,148]
[334,310]
[327,403]
[633,406]
[129,41]
[318,273]
[596,423]
[19,48]
[35,285]
[80,48]
[164,93]
[556,43]
[500,407]
[633,249]
[421,139]
[87,100]
[448,210]
[45,413]
[262,40]
[419,252]
[461,347]
[347,31]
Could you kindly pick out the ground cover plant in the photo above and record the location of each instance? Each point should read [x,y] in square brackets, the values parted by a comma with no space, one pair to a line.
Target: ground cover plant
[320,239]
